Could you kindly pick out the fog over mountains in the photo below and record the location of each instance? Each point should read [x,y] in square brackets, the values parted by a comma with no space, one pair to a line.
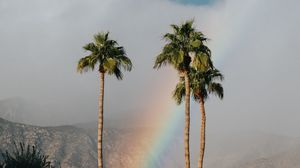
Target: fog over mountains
[20,110]
[254,43]
[75,145]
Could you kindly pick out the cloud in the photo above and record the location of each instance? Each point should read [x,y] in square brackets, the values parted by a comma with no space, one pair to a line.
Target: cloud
[195,2]
[254,43]
[42,41]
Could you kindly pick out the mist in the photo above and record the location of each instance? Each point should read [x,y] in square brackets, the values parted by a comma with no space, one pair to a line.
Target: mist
[254,44]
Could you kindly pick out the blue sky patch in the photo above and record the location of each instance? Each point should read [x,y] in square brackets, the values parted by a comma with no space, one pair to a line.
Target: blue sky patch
[194,2]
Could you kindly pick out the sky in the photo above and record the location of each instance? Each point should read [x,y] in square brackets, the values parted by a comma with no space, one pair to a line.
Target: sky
[195,2]
[254,43]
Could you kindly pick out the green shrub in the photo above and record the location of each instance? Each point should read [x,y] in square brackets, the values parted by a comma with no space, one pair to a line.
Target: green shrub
[23,156]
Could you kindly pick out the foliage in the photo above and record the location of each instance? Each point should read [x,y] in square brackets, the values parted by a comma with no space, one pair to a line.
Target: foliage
[24,156]
[202,83]
[185,47]
[107,54]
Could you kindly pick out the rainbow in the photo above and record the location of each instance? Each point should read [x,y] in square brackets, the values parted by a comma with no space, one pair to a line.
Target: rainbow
[168,117]
[166,135]
[161,123]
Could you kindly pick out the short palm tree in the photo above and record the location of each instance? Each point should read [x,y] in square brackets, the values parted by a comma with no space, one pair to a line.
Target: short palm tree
[110,58]
[185,47]
[202,84]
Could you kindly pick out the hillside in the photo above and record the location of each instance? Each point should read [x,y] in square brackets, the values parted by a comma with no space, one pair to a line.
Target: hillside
[75,147]
[70,146]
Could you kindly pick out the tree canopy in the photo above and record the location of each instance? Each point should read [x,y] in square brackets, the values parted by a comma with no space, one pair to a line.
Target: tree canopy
[107,54]
[202,83]
[185,45]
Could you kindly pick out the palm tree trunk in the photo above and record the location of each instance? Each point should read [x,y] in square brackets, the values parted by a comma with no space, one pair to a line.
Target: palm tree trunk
[187,121]
[202,134]
[100,122]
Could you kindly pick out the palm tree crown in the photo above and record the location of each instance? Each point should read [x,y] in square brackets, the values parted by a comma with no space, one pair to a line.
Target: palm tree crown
[202,84]
[184,46]
[108,54]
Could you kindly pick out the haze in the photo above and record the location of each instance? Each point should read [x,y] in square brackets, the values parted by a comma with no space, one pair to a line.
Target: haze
[254,43]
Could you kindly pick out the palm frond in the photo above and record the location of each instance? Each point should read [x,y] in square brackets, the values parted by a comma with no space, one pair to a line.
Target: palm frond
[90,47]
[216,75]
[86,63]
[217,89]
[175,27]
[109,65]
[125,63]
[161,59]
[179,92]
[202,83]
[170,37]
[118,73]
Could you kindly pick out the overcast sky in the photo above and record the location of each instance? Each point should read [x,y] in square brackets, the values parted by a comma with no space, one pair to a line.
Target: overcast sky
[254,43]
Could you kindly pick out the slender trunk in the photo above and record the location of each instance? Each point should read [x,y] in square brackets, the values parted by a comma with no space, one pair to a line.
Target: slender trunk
[202,134]
[100,122]
[187,121]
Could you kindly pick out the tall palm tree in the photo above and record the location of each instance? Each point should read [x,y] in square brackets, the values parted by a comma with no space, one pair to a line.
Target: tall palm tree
[202,84]
[110,58]
[185,46]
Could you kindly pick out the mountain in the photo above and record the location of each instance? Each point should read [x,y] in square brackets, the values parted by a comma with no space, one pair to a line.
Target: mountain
[75,147]
[253,150]
[288,158]
[69,145]
[23,111]
[15,109]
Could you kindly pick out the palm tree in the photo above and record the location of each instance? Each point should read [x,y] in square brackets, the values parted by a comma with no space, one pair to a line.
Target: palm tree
[185,46]
[202,84]
[110,58]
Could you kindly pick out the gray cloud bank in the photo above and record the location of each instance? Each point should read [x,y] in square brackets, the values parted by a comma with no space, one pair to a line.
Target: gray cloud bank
[254,43]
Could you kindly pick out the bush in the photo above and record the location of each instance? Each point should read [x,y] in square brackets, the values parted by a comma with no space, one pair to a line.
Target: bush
[1,164]
[23,156]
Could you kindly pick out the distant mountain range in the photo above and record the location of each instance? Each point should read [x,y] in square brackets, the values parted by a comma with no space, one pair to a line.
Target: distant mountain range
[253,150]
[69,145]
[23,111]
[75,146]
[15,109]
